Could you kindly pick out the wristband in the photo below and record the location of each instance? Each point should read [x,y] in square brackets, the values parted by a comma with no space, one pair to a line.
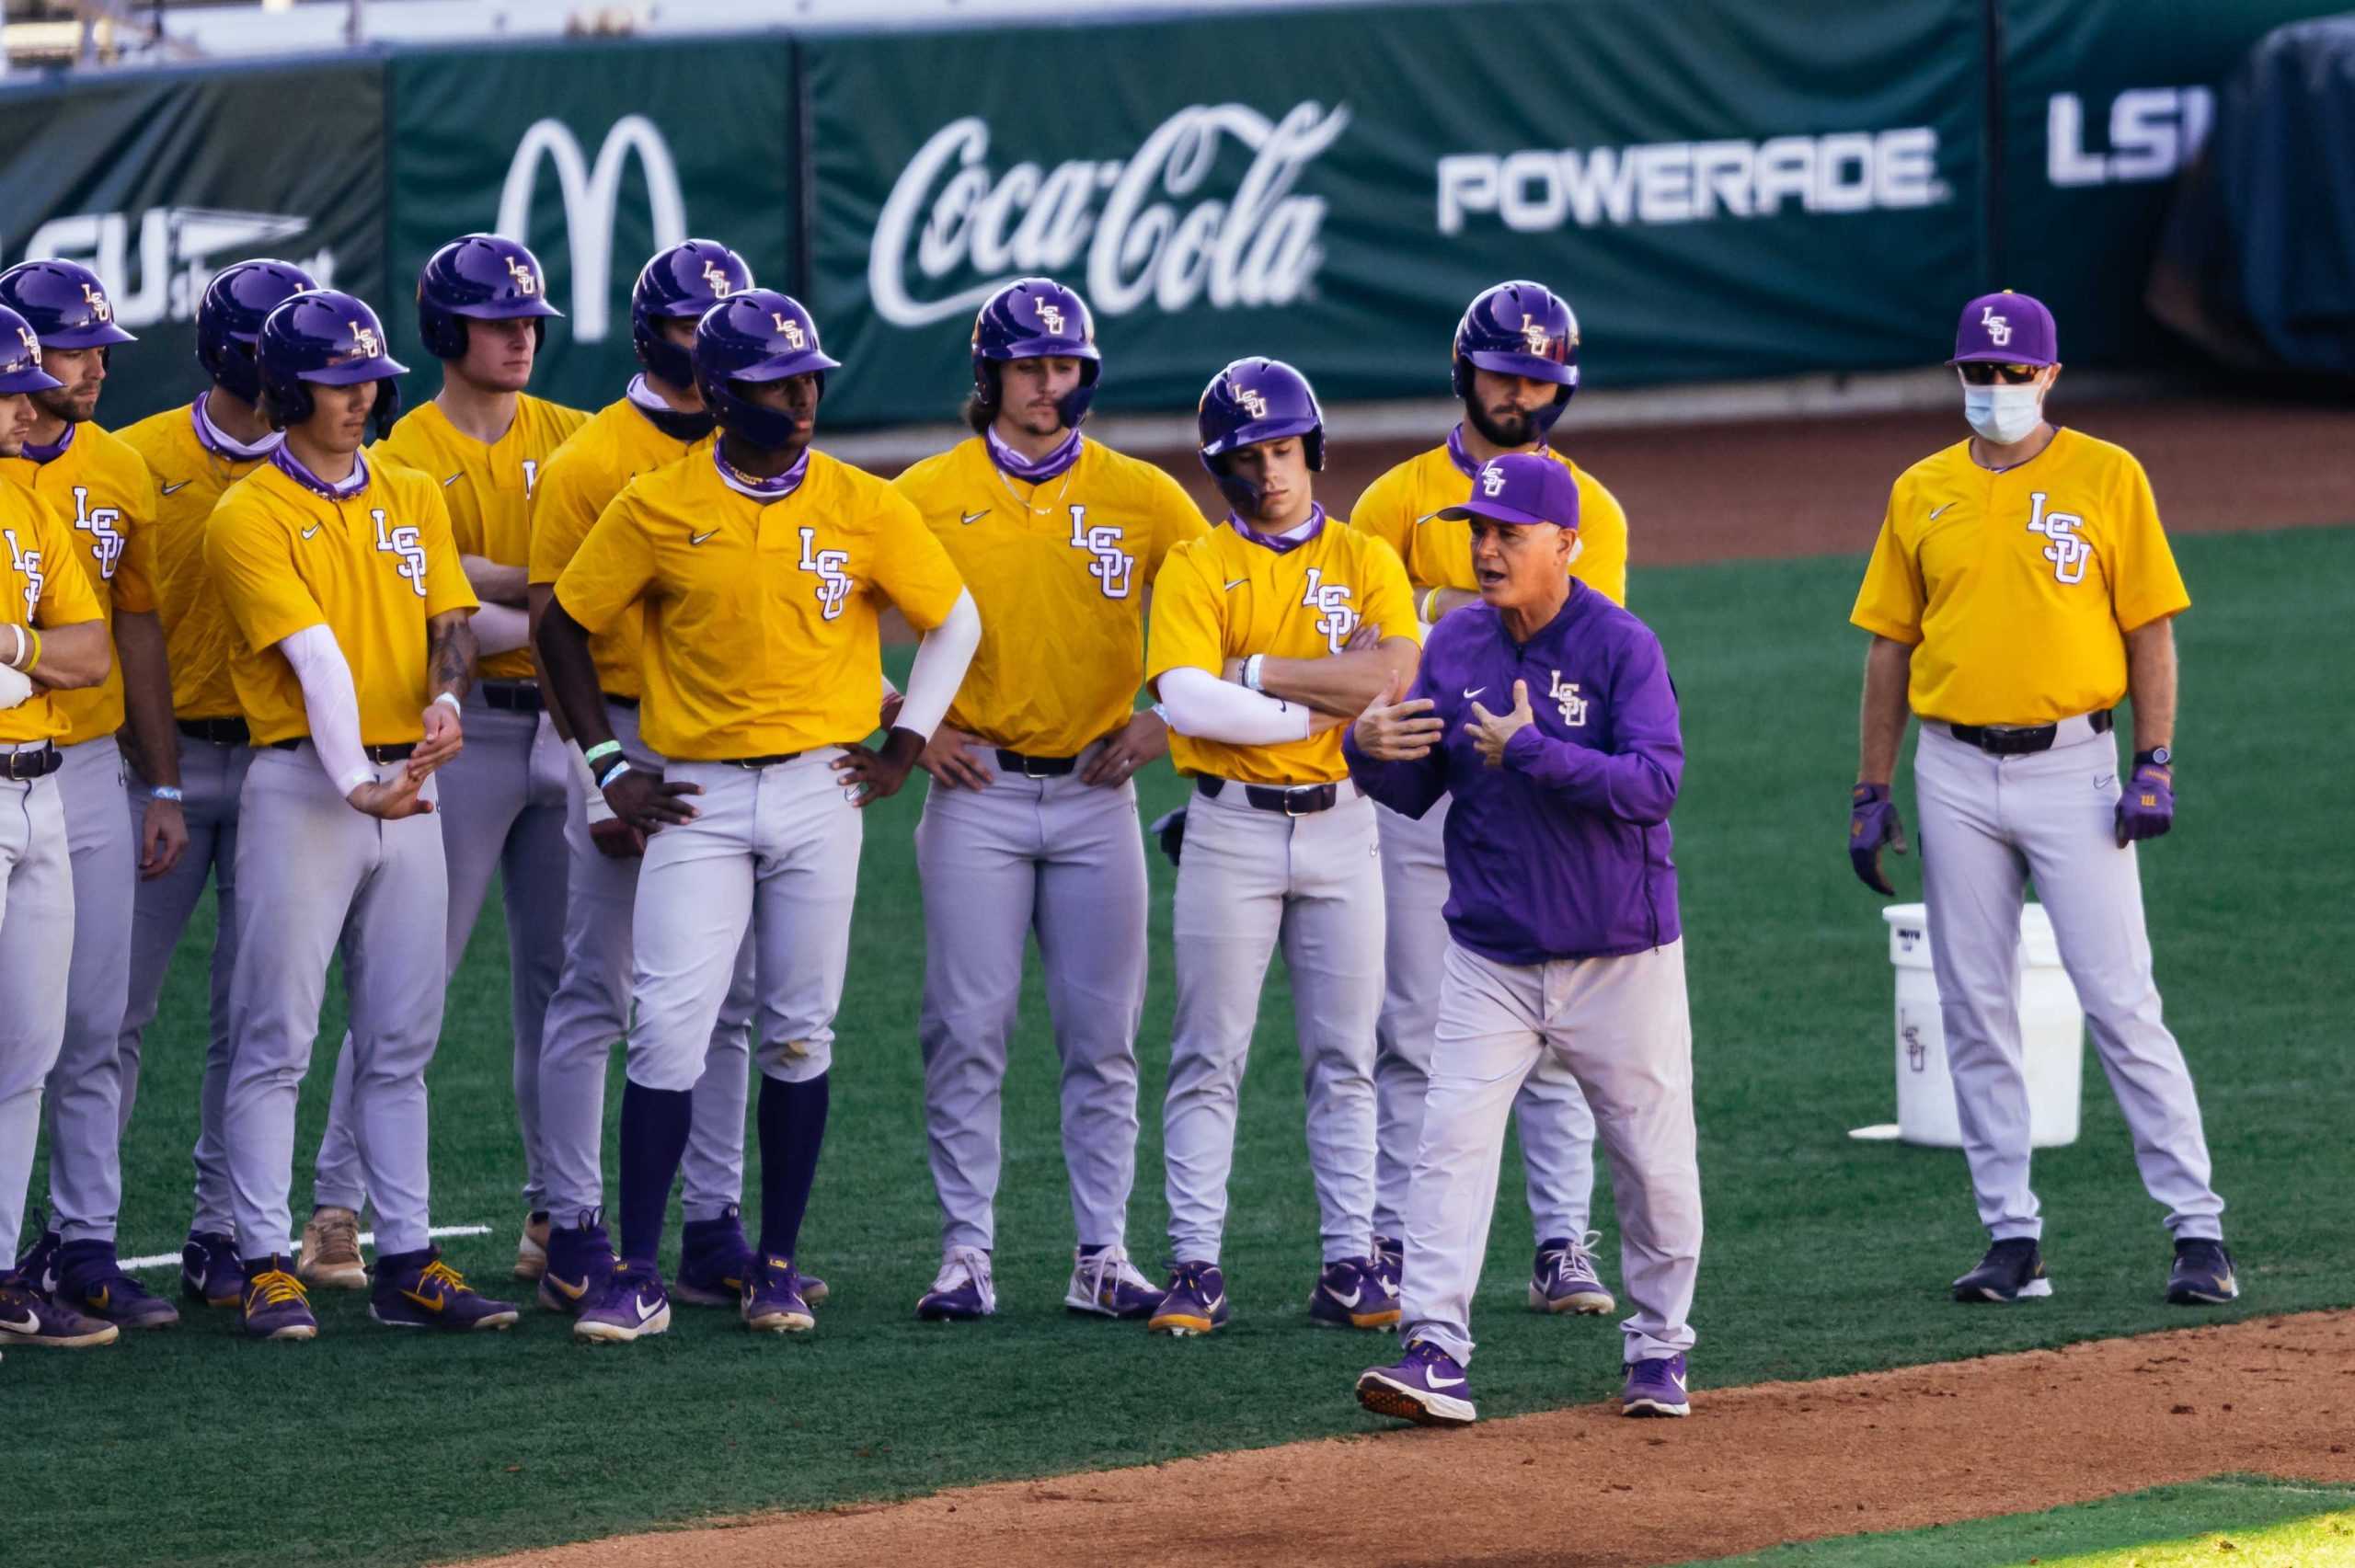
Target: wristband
[1251,672]
[17,660]
[616,771]
[172,792]
[602,749]
[1430,603]
[451,698]
[34,637]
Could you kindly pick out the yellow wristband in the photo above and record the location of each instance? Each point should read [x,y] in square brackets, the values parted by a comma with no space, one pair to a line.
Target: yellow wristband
[1430,602]
[32,637]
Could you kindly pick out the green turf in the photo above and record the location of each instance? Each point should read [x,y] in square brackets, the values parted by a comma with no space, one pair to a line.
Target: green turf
[1823,1255]
[2251,1521]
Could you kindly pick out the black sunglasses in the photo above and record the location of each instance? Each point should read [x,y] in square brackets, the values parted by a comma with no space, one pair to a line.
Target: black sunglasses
[1984,372]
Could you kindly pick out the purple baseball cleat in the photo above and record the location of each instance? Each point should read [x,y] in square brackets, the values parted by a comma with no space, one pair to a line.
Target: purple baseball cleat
[1390,1258]
[2202,1274]
[1195,1302]
[29,1316]
[1105,1282]
[581,1262]
[2013,1270]
[1564,1279]
[37,1264]
[209,1269]
[962,1291]
[91,1281]
[1352,1294]
[773,1302]
[632,1305]
[418,1290]
[1427,1386]
[713,1261]
[276,1306]
[1655,1387]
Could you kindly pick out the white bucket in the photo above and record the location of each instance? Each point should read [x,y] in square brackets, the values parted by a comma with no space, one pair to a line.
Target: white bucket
[2053,1035]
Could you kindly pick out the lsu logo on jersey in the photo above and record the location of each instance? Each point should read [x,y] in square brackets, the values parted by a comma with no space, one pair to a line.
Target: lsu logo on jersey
[532,476]
[826,566]
[2066,548]
[1331,603]
[106,538]
[402,542]
[1112,567]
[27,565]
[1565,697]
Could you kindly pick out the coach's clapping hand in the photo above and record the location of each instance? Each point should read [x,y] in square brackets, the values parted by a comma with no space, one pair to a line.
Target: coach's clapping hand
[1393,731]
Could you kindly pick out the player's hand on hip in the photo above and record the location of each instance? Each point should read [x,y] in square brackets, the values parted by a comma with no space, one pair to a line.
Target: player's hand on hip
[648,803]
[1393,731]
[952,757]
[394,798]
[163,838]
[2146,809]
[1872,825]
[444,736]
[1143,739]
[616,840]
[868,775]
[889,714]
[1491,732]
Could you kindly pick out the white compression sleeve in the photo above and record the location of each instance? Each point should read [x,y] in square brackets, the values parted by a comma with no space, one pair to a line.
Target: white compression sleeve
[1201,706]
[502,628]
[331,704]
[939,668]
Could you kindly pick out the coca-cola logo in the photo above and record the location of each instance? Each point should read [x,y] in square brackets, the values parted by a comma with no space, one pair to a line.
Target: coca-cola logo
[1154,228]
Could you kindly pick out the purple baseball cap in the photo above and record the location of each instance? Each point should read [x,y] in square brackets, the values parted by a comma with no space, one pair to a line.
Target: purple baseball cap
[1522,489]
[2007,328]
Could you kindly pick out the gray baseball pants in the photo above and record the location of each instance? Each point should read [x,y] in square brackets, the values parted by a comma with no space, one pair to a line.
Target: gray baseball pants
[1065,860]
[210,778]
[1988,825]
[589,1015]
[1622,1026]
[1557,1127]
[84,1100]
[36,947]
[315,877]
[1248,881]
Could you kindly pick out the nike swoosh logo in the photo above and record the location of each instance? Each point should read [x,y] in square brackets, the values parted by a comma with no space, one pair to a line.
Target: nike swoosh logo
[1435,1380]
[1215,1303]
[1351,1299]
[645,1309]
[572,1292]
[972,517]
[431,1303]
[30,1325]
[1238,582]
[454,478]
[313,528]
[699,538]
[175,489]
[1934,514]
[1472,692]
[106,1294]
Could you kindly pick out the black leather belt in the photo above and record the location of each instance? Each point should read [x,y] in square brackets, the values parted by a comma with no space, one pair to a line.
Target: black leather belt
[2002,741]
[1300,800]
[400,753]
[217,731]
[1036,767]
[512,697]
[759,762]
[25,765]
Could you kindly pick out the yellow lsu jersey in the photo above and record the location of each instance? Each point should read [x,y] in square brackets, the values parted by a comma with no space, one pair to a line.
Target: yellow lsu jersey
[101,491]
[1224,596]
[372,567]
[1402,508]
[486,486]
[616,445]
[760,617]
[189,479]
[39,587]
[1059,571]
[2016,589]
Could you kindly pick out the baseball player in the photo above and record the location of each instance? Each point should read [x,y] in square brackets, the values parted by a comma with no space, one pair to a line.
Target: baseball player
[101,489]
[1562,926]
[2031,536]
[1514,367]
[1264,632]
[194,453]
[52,638]
[482,310]
[659,420]
[351,656]
[1030,823]
[759,567]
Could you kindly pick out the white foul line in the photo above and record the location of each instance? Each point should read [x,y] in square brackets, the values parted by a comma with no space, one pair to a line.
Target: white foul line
[367,1238]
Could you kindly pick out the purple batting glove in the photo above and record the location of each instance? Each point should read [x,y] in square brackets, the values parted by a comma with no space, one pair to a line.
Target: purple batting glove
[2146,809]
[1872,823]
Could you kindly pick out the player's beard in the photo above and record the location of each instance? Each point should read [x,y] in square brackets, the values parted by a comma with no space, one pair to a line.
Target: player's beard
[1515,430]
[71,404]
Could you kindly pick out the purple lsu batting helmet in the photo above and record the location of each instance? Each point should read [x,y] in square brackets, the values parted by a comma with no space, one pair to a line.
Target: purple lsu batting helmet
[681,282]
[479,278]
[20,357]
[1525,329]
[64,302]
[758,336]
[229,317]
[1035,318]
[1251,401]
[328,338]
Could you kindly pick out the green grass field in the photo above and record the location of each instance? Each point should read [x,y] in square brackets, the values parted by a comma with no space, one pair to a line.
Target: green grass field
[1823,1255]
[2250,1521]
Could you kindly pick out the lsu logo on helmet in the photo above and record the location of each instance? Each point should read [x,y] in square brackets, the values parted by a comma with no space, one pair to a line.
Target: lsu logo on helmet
[1253,404]
[716,276]
[527,281]
[795,338]
[365,337]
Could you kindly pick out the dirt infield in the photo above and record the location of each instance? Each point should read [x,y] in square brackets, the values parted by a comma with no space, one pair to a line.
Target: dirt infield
[1787,487]
[1583,1488]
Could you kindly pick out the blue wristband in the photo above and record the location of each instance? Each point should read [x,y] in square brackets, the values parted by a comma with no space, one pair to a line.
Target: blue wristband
[616,771]
[166,792]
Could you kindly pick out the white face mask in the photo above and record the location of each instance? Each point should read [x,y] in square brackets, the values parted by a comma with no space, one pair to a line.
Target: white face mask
[2002,414]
